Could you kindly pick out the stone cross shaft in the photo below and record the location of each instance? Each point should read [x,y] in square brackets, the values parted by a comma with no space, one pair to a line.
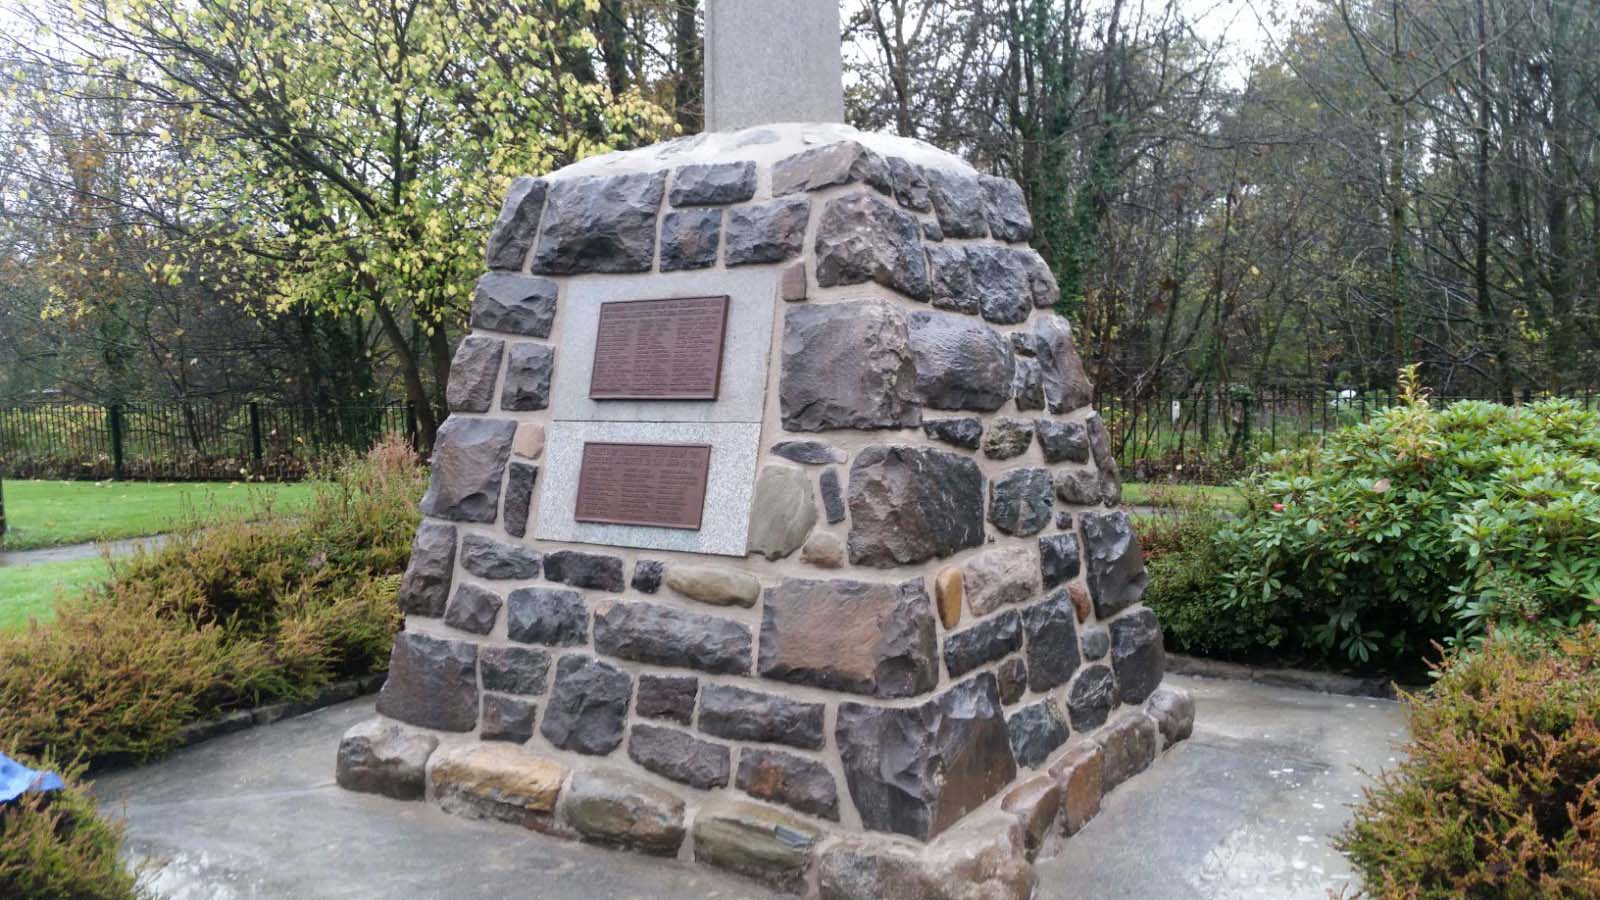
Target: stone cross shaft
[772,61]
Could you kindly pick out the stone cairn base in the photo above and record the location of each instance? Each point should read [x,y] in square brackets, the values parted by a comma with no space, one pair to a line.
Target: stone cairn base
[908,689]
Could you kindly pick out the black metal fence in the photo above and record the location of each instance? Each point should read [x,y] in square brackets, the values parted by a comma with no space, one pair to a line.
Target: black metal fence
[1198,437]
[1210,437]
[193,441]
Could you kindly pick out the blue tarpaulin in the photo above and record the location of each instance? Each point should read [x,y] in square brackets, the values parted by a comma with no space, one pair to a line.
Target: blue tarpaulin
[17,779]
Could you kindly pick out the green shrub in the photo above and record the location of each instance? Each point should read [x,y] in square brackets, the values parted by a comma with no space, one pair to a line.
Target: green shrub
[216,620]
[1423,525]
[54,847]
[1186,563]
[1499,793]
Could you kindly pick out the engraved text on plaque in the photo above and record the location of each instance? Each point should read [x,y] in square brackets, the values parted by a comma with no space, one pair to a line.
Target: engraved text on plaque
[659,349]
[663,485]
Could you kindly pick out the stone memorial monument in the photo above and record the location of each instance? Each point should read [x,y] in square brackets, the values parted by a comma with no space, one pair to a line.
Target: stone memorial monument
[772,527]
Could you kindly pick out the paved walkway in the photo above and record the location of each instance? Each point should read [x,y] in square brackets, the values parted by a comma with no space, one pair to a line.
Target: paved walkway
[1241,810]
[71,552]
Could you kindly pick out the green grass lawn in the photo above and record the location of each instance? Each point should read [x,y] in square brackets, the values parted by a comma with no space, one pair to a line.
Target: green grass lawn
[1143,494]
[52,513]
[31,592]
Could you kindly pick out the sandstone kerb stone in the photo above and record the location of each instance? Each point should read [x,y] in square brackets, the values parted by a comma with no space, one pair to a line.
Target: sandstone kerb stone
[1117,578]
[515,304]
[842,162]
[845,635]
[767,232]
[1005,209]
[667,697]
[600,223]
[1173,710]
[793,781]
[782,512]
[511,236]
[1051,627]
[754,840]
[665,636]
[1092,698]
[607,806]
[507,719]
[690,238]
[982,643]
[1020,501]
[681,757]
[1007,438]
[488,558]
[469,458]
[961,363]
[862,237]
[909,504]
[527,382]
[846,365]
[599,571]
[1037,805]
[425,587]
[473,373]
[473,609]
[1000,576]
[917,770]
[1137,654]
[513,670]
[713,184]
[378,757]
[964,432]
[433,683]
[1036,731]
[1129,744]
[744,715]
[588,706]
[496,781]
[549,616]
[1080,774]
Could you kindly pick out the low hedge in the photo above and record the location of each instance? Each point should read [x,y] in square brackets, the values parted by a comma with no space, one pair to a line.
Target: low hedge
[217,620]
[1499,791]
[53,847]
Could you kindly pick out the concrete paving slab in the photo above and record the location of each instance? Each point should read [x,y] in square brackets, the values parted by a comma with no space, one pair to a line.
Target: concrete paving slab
[1242,810]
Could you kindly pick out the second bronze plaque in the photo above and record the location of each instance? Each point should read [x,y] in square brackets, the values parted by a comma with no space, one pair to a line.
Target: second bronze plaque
[659,349]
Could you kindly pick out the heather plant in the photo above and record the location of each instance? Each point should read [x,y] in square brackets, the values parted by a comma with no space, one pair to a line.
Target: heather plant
[1419,526]
[54,846]
[218,619]
[1498,791]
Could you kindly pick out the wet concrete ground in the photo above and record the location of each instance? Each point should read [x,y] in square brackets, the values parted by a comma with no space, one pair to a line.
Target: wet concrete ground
[1242,810]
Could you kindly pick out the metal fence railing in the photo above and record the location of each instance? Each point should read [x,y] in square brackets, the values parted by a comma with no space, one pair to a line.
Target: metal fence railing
[182,441]
[1212,436]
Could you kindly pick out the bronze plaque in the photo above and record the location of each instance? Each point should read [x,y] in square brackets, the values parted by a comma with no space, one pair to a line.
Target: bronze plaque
[659,349]
[643,484]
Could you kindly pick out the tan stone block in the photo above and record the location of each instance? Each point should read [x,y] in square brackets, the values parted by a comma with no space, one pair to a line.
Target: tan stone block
[949,589]
[529,440]
[823,550]
[756,841]
[715,585]
[1000,577]
[500,781]
[1080,774]
[1036,803]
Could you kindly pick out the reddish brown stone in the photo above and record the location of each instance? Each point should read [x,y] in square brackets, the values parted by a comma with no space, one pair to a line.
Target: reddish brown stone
[1080,775]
